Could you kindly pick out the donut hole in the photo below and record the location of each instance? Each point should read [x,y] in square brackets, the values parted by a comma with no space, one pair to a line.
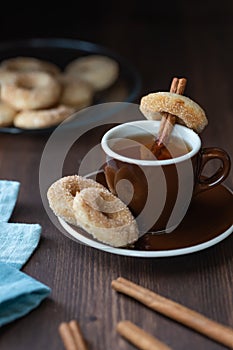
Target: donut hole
[103,207]
[35,80]
[73,189]
[73,193]
[26,84]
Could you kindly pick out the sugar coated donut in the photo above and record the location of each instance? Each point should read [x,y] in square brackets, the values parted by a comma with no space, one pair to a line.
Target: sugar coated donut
[31,91]
[29,64]
[105,217]
[7,114]
[44,118]
[62,192]
[75,92]
[7,76]
[186,110]
[99,71]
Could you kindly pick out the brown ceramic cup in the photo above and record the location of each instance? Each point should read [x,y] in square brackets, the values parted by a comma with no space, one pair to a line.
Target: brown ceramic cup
[159,192]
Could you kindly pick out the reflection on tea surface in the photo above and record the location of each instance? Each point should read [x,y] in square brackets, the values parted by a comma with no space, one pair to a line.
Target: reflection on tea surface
[139,147]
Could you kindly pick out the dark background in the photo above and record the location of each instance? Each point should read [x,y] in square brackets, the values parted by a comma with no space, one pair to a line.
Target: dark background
[171,38]
[113,23]
[152,35]
[128,27]
[161,39]
[87,19]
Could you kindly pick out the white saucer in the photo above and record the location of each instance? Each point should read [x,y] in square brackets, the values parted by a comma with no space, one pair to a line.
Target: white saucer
[208,221]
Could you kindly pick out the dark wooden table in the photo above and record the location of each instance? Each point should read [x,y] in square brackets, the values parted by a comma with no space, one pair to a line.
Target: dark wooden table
[195,43]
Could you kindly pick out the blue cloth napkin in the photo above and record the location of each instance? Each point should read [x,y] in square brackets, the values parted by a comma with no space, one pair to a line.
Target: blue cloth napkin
[8,195]
[17,242]
[19,293]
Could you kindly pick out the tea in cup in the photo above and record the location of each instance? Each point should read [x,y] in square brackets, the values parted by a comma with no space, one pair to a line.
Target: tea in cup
[158,190]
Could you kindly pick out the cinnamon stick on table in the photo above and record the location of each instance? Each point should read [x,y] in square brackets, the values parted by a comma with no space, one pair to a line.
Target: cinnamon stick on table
[168,120]
[178,312]
[71,336]
[139,337]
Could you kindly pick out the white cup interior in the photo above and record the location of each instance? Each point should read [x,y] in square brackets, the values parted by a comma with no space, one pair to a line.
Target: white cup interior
[149,126]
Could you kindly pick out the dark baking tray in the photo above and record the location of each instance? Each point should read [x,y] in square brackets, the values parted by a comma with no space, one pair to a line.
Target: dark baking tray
[61,51]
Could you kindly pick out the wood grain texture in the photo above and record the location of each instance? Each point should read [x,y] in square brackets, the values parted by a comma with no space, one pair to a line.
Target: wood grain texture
[200,48]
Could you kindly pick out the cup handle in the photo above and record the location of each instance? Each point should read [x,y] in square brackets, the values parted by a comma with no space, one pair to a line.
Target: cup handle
[205,155]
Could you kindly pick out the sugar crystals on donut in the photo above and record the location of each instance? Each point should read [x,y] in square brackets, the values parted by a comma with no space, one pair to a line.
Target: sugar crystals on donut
[100,71]
[186,110]
[32,90]
[7,114]
[36,88]
[105,217]
[89,205]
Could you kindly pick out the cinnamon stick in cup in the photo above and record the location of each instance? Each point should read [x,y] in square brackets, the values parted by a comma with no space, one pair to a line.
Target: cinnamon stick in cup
[158,190]
[168,120]
[178,312]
